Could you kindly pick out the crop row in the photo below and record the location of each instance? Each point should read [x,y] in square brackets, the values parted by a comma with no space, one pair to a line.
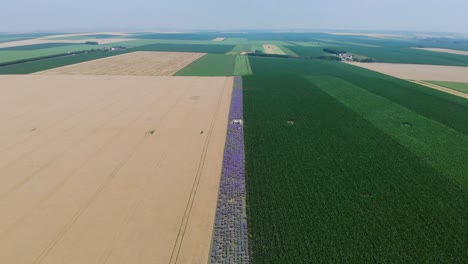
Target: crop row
[325,185]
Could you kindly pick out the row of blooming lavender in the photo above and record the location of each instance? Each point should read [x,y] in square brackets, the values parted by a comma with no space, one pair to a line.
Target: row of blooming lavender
[230,238]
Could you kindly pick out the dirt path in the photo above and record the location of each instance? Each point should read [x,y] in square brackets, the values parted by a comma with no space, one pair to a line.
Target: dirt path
[441,88]
[110,169]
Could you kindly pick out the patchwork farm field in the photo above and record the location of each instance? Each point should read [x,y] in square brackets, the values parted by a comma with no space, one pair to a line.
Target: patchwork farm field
[198,48]
[51,63]
[314,161]
[95,166]
[30,42]
[143,63]
[10,55]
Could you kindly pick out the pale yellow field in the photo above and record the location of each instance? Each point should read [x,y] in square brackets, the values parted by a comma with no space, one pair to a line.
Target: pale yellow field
[136,63]
[52,39]
[451,51]
[46,41]
[418,71]
[219,39]
[110,169]
[273,49]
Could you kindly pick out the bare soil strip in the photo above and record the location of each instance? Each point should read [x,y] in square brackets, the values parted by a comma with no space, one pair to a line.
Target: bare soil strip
[418,71]
[441,88]
[219,39]
[273,49]
[451,51]
[136,63]
[113,169]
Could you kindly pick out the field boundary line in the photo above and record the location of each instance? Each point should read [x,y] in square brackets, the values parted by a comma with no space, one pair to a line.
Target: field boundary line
[440,88]
[193,193]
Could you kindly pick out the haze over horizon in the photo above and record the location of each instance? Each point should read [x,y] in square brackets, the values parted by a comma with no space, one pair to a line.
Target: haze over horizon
[87,15]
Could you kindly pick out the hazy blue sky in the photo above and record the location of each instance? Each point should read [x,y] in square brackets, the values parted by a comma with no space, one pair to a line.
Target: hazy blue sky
[91,15]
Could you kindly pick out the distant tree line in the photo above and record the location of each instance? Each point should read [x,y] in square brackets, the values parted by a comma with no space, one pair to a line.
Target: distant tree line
[269,55]
[365,60]
[56,56]
[330,58]
[336,52]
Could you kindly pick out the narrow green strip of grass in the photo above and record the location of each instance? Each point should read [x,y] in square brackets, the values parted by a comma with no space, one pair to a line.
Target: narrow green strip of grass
[242,66]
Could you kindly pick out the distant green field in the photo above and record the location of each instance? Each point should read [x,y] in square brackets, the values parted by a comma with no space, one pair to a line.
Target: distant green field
[180,36]
[308,44]
[311,52]
[249,48]
[97,36]
[215,49]
[144,42]
[236,40]
[407,55]
[288,51]
[382,50]
[218,65]
[13,55]
[461,87]
[8,39]
[210,65]
[332,187]
[39,46]
[242,66]
[15,37]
